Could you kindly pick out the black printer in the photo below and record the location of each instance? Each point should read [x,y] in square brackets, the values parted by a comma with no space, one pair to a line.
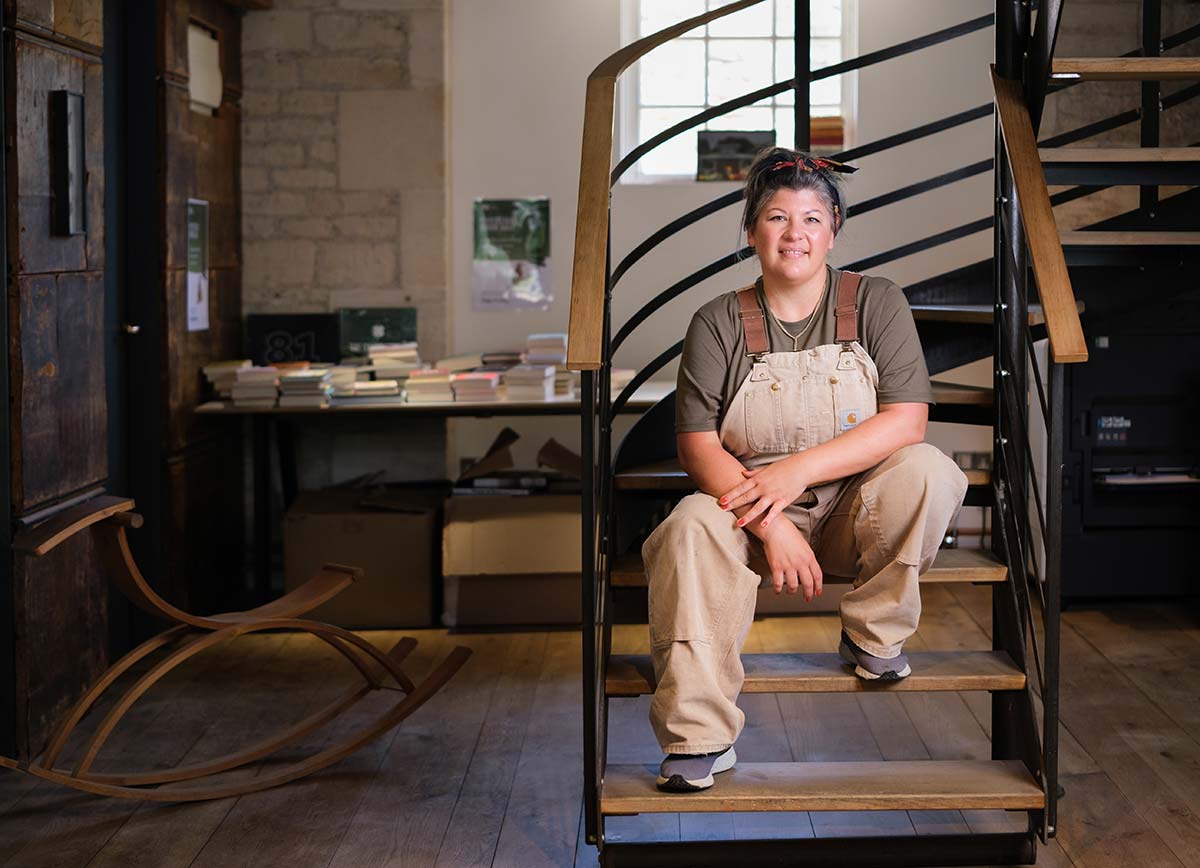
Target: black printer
[1131,504]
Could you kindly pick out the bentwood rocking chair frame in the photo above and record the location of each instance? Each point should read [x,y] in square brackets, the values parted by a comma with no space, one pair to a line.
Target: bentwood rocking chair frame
[107,518]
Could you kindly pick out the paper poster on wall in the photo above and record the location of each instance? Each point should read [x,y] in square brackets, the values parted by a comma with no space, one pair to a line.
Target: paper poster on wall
[197,265]
[512,255]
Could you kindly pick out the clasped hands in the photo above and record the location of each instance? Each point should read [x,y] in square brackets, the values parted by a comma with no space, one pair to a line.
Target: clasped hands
[770,490]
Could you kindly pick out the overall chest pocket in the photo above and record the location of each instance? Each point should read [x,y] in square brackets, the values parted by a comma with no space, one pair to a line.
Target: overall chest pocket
[854,400]
[775,417]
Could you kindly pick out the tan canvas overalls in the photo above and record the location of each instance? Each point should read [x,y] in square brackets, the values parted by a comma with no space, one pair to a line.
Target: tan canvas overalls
[880,529]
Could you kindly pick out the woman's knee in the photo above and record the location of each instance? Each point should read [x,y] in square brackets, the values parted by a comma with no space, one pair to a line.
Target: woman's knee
[696,519]
[922,469]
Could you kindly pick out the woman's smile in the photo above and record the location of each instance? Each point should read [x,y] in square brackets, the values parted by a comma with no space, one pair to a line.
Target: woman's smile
[792,237]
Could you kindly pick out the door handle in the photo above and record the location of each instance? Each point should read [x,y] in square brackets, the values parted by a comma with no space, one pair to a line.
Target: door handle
[131,329]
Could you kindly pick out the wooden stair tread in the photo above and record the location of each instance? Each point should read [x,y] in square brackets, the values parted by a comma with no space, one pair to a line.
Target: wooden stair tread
[974,313]
[1128,238]
[669,476]
[1119,155]
[899,785]
[966,566]
[633,674]
[1125,68]
[956,393]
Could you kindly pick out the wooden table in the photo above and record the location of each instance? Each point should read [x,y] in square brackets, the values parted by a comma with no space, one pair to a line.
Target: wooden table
[266,421]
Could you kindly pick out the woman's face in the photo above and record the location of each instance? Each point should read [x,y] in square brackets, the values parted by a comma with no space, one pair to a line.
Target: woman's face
[792,236]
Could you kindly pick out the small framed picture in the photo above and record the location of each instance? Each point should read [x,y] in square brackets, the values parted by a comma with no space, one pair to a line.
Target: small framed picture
[726,155]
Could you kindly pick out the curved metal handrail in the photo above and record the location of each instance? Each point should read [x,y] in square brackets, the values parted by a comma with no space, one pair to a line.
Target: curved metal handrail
[674,290]
[869,59]
[726,199]
[586,328]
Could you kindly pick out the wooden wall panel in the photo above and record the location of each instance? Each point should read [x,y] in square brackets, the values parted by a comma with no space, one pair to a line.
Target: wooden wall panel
[63,416]
[203,530]
[204,522]
[217,182]
[40,70]
[59,418]
[76,20]
[61,611]
[188,351]
[179,164]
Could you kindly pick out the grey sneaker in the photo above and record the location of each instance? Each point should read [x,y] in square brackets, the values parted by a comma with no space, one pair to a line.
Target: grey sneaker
[688,772]
[870,667]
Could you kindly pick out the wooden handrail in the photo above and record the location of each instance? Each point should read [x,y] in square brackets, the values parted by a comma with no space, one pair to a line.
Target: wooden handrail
[586,330]
[1067,343]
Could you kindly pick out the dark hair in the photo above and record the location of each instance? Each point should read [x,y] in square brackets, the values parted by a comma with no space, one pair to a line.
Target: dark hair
[779,168]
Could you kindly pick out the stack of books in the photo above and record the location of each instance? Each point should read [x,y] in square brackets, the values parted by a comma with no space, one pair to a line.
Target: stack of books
[255,387]
[342,379]
[221,375]
[309,388]
[546,348]
[394,361]
[530,383]
[564,383]
[476,386]
[429,385]
[368,392]
[458,364]
[500,359]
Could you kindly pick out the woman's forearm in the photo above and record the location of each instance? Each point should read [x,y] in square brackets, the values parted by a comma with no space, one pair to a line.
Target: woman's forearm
[862,447]
[713,468]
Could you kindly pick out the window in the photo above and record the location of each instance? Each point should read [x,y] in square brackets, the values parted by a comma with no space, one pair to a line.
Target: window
[710,65]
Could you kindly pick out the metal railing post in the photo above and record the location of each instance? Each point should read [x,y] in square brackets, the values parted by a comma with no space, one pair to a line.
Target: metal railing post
[803,67]
[591,802]
[1056,438]
[1151,97]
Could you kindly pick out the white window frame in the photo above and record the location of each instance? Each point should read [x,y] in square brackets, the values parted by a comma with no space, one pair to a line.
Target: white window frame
[628,89]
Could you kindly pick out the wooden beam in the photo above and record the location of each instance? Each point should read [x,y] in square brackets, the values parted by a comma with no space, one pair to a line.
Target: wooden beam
[1125,68]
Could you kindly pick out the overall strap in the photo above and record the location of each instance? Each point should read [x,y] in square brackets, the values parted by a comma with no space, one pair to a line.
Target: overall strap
[846,312]
[754,321]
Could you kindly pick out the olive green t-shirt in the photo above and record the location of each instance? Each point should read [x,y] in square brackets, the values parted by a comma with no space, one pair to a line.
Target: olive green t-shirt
[715,363]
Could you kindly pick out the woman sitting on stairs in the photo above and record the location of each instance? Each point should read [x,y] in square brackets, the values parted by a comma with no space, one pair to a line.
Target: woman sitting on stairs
[801,409]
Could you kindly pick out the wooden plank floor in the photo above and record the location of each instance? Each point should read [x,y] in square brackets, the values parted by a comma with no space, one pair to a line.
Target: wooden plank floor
[489,772]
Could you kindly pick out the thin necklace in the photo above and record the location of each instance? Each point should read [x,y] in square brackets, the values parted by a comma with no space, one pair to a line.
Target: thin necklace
[812,317]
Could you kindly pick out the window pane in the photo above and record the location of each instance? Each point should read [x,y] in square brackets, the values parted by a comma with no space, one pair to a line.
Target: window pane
[658,14]
[674,157]
[751,118]
[755,21]
[785,68]
[826,52]
[785,128]
[737,66]
[673,74]
[826,18]
[785,17]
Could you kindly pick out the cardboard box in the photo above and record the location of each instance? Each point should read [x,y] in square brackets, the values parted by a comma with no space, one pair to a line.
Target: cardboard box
[512,560]
[395,543]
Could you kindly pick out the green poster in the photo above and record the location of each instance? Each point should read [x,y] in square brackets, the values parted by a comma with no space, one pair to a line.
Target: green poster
[512,254]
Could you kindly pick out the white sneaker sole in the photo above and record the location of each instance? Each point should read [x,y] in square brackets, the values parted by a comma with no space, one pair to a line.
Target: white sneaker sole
[847,654]
[723,764]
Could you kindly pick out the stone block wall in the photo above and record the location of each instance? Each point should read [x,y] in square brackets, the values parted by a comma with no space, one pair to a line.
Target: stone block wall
[343,178]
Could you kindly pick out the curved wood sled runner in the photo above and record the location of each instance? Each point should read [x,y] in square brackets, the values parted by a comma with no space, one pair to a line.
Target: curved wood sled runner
[107,518]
